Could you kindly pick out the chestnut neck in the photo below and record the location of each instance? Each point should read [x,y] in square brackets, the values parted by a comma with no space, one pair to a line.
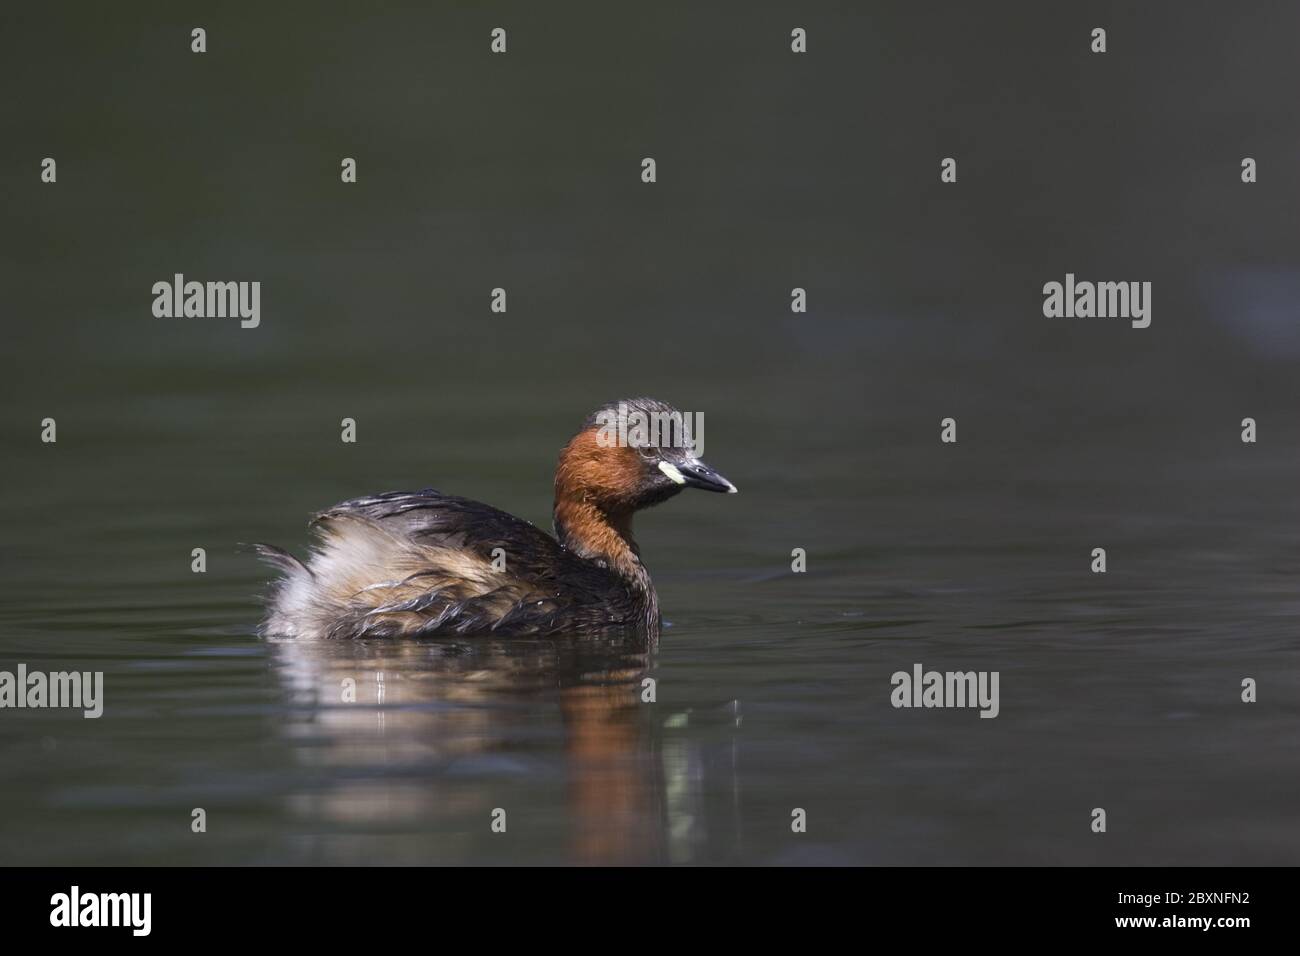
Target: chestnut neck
[594,486]
[595,497]
[599,535]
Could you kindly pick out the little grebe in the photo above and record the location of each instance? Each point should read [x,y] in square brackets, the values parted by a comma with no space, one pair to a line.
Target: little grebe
[424,563]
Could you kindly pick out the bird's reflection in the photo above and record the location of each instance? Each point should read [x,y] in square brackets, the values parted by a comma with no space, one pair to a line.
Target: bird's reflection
[424,740]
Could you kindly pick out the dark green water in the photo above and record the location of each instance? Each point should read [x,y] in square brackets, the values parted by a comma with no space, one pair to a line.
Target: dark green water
[1118,690]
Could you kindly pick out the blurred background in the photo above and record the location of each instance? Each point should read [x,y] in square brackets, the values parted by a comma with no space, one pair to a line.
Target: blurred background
[775,170]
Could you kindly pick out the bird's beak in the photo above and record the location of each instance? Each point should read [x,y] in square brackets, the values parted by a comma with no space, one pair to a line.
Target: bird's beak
[694,473]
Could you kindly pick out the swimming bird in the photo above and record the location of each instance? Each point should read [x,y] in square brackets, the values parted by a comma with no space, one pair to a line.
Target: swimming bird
[408,564]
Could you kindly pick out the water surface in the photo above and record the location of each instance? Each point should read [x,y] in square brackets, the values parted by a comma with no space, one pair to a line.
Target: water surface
[772,688]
